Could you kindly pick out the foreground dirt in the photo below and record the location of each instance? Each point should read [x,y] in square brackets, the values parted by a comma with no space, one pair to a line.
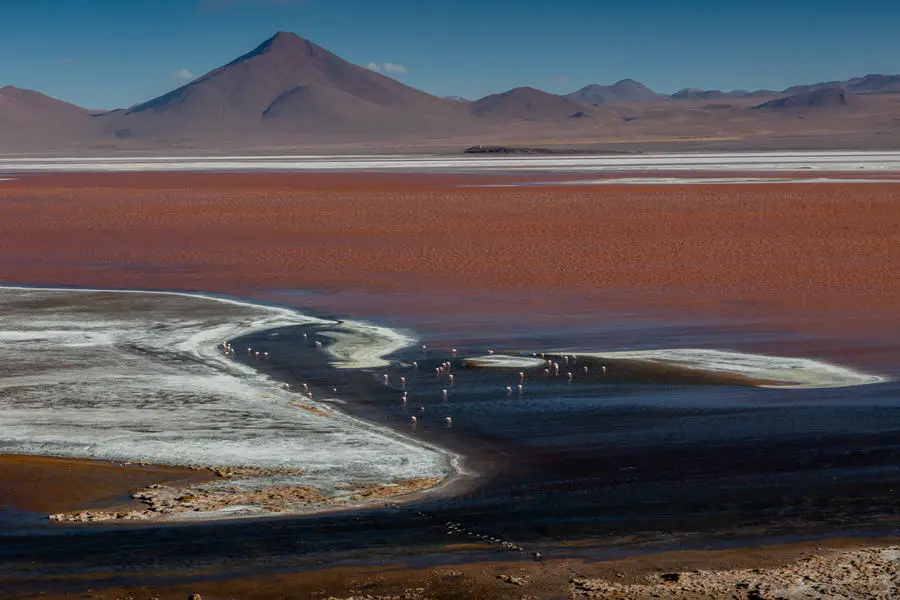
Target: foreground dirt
[831,570]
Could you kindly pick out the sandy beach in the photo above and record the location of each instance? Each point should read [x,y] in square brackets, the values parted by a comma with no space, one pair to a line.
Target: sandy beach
[49,485]
[808,257]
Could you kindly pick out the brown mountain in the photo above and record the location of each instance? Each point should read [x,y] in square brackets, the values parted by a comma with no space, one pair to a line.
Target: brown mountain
[286,84]
[701,94]
[621,92]
[291,94]
[28,108]
[872,84]
[528,104]
[875,84]
[30,119]
[825,98]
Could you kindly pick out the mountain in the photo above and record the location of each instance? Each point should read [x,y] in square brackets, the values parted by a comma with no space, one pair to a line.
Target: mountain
[872,84]
[288,93]
[875,84]
[28,108]
[285,85]
[30,119]
[621,92]
[701,94]
[825,98]
[698,94]
[528,104]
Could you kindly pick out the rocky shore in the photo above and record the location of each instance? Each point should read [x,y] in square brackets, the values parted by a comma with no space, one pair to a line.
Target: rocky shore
[871,573]
[239,496]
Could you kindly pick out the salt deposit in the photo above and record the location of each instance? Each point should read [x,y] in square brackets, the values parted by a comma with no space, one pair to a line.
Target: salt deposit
[769,371]
[709,161]
[139,376]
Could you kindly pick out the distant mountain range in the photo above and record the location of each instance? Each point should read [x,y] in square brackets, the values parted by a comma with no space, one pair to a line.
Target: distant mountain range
[289,92]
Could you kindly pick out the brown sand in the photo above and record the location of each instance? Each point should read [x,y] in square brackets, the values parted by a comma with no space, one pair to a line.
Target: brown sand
[46,484]
[832,564]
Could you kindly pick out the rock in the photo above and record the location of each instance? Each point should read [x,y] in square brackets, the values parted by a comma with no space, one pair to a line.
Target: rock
[514,579]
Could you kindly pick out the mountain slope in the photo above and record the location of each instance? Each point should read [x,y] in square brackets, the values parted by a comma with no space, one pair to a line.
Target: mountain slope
[621,92]
[872,84]
[820,99]
[25,108]
[289,83]
[526,103]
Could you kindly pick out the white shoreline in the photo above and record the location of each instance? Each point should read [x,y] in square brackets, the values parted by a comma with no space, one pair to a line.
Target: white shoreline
[789,372]
[221,384]
[612,181]
[832,161]
[758,370]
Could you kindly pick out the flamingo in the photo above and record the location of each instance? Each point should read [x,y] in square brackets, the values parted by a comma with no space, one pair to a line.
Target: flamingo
[413,420]
[451,378]
[448,421]
[444,394]
[403,381]
[508,390]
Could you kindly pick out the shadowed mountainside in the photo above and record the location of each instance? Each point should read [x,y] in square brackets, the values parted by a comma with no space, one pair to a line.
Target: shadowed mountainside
[872,84]
[824,98]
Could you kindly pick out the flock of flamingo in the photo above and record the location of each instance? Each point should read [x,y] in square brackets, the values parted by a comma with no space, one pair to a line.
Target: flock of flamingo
[442,371]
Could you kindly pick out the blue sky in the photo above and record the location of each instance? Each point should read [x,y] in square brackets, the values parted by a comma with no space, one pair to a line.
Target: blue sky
[114,53]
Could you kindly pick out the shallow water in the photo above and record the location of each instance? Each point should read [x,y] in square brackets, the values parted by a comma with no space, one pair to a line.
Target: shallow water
[585,468]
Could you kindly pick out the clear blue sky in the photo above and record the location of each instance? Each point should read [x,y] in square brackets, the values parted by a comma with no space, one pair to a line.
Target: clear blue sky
[114,53]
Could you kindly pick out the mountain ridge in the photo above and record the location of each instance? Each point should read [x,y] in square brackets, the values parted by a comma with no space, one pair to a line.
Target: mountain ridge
[288,90]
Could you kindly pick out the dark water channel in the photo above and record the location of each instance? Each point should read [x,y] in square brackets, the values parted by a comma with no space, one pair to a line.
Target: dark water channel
[599,466]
